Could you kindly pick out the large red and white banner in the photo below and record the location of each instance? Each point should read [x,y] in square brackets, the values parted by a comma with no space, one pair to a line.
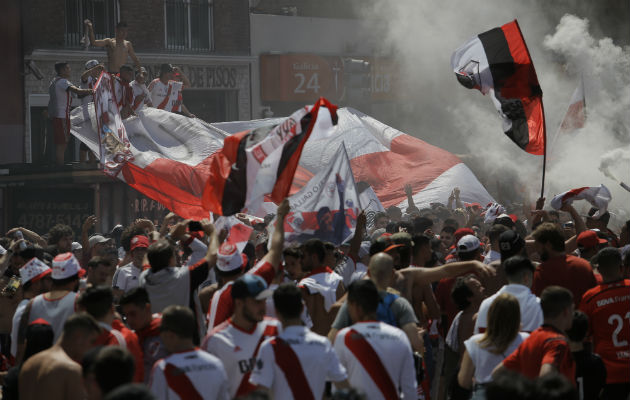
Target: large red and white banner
[173,153]
[114,147]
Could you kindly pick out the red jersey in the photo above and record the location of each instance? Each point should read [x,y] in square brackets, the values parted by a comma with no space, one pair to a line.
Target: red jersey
[608,310]
[546,345]
[133,345]
[573,273]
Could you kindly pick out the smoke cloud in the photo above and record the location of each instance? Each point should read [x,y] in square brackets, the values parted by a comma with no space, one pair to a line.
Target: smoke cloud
[423,34]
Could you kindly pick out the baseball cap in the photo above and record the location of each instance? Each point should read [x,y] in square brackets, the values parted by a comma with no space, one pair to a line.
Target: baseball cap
[364,250]
[95,239]
[76,246]
[461,232]
[65,265]
[589,239]
[505,219]
[467,244]
[139,241]
[250,285]
[34,270]
[510,242]
[229,258]
[91,64]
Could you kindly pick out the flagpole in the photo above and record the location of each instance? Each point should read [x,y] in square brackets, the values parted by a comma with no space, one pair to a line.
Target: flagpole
[542,188]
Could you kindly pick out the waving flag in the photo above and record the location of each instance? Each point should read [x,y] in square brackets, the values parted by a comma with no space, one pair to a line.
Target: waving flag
[238,232]
[599,197]
[497,62]
[114,147]
[261,161]
[576,114]
[327,207]
[173,156]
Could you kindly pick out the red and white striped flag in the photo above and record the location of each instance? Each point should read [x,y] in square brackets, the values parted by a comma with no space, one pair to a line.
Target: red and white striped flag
[576,113]
[598,196]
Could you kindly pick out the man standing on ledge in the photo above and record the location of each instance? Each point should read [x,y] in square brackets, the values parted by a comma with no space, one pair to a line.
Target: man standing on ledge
[118,49]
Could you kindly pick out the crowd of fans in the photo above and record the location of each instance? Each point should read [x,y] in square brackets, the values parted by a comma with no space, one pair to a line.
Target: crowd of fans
[456,301]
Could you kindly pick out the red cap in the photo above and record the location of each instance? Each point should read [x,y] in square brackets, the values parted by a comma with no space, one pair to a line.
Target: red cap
[589,239]
[39,321]
[139,241]
[461,232]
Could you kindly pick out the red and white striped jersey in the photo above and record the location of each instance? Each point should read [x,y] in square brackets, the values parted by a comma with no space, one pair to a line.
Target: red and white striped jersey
[238,350]
[379,360]
[221,305]
[296,365]
[323,281]
[191,374]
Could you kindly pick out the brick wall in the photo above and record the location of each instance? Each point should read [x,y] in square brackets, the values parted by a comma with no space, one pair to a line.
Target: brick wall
[43,24]
[146,23]
[231,26]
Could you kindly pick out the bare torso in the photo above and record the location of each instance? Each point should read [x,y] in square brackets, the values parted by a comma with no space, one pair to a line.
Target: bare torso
[117,54]
[51,375]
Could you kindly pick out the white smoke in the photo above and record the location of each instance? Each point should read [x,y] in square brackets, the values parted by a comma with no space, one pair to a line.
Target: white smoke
[423,34]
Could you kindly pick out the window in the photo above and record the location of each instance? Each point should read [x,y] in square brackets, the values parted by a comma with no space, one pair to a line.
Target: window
[188,25]
[102,13]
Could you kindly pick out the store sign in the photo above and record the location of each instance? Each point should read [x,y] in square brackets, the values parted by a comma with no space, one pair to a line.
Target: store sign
[205,77]
[305,77]
[40,209]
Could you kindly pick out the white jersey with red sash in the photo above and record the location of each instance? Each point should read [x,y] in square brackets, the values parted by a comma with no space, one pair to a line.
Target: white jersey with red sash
[378,359]
[296,365]
[324,281]
[238,350]
[189,375]
[165,96]
[221,306]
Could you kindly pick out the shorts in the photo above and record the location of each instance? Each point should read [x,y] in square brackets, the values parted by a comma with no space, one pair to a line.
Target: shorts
[61,129]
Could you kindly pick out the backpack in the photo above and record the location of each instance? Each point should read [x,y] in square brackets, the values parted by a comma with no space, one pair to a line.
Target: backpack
[384,311]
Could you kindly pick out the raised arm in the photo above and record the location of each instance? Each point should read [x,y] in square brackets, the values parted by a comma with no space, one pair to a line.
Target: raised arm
[355,243]
[185,80]
[274,256]
[571,243]
[213,246]
[422,276]
[93,41]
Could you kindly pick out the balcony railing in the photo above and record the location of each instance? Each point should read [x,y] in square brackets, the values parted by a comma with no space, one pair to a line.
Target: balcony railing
[103,14]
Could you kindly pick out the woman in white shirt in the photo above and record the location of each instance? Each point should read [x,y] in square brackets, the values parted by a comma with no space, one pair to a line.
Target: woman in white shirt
[486,350]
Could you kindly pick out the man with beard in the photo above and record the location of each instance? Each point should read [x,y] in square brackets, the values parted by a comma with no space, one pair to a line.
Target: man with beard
[236,341]
[559,268]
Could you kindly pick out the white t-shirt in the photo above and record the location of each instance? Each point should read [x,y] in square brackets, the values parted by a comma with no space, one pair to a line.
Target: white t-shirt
[126,277]
[139,89]
[529,304]
[182,375]
[60,98]
[16,324]
[325,282]
[350,271]
[159,92]
[484,360]
[372,349]
[491,256]
[308,358]
[56,312]
[238,350]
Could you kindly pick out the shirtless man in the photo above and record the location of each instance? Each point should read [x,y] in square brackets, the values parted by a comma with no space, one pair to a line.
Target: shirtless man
[56,371]
[118,49]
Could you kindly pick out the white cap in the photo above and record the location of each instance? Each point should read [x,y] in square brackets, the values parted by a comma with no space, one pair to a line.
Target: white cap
[91,64]
[65,265]
[229,258]
[364,250]
[34,270]
[76,246]
[468,243]
[94,239]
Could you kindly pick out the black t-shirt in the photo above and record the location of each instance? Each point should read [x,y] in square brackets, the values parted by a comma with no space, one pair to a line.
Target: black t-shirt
[590,374]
